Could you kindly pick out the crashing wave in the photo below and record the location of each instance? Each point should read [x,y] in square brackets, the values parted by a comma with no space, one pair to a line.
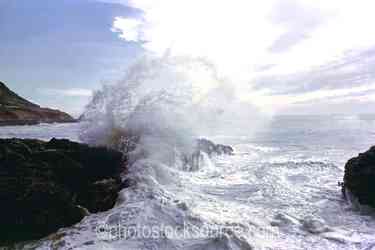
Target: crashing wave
[155,115]
[158,109]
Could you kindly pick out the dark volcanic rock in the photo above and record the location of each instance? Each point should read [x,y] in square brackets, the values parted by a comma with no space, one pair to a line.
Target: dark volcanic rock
[211,148]
[100,195]
[192,162]
[15,110]
[44,185]
[359,178]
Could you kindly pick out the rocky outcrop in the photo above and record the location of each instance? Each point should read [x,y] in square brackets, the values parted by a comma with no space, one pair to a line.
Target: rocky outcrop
[15,110]
[193,162]
[359,178]
[211,148]
[48,185]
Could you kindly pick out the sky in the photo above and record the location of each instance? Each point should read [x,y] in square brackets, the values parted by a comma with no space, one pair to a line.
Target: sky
[284,56]
[55,52]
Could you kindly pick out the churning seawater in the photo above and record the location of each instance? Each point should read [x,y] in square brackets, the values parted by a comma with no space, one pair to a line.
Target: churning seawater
[278,191]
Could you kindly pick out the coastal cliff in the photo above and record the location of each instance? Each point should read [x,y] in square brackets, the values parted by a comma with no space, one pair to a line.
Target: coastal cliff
[15,110]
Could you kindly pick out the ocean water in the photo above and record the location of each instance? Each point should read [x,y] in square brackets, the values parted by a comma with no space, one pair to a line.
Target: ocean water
[278,191]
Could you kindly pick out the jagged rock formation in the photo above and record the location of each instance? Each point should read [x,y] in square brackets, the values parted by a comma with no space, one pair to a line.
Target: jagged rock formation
[48,185]
[15,110]
[192,162]
[211,148]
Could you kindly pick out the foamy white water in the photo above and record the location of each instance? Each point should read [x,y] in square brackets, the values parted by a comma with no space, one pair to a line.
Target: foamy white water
[279,191]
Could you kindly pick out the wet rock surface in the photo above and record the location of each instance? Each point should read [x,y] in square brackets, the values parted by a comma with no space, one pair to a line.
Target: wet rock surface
[48,185]
[192,162]
[359,178]
[211,148]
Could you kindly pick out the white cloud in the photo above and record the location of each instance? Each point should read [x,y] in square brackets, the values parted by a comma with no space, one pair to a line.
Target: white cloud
[238,35]
[229,33]
[74,92]
[128,28]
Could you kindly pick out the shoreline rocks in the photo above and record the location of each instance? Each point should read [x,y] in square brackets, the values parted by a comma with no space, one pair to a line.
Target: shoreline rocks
[45,186]
[211,148]
[192,162]
[359,178]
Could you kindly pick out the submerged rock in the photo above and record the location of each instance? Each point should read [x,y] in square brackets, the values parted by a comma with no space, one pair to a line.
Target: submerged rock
[48,185]
[359,178]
